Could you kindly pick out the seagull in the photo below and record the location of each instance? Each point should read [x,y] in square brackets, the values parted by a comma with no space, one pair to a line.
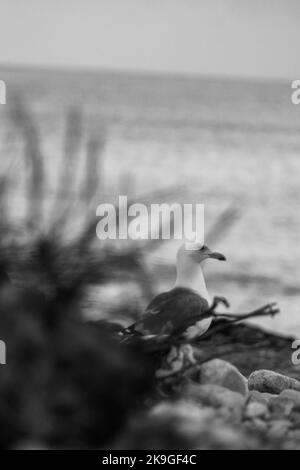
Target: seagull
[176,317]
[185,310]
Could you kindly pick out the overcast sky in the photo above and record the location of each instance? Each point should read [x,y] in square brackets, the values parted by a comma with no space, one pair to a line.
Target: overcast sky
[259,38]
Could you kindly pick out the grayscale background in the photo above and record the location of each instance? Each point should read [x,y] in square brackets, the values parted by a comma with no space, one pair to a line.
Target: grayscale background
[162,101]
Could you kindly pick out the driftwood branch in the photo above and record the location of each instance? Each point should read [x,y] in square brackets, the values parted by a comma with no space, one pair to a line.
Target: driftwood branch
[160,343]
[271,309]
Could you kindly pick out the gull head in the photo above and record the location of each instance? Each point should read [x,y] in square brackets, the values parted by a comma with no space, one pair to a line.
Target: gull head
[196,253]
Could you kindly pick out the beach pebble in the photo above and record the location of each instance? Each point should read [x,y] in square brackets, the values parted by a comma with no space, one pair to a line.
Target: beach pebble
[257,424]
[256,410]
[224,374]
[295,419]
[182,409]
[281,409]
[257,397]
[269,396]
[185,423]
[284,404]
[294,435]
[271,382]
[231,404]
[278,429]
[293,396]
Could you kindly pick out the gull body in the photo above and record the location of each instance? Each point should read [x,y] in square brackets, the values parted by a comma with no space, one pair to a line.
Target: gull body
[169,313]
[190,276]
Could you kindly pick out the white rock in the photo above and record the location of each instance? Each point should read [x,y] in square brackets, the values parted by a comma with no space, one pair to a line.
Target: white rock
[292,396]
[278,429]
[256,410]
[257,425]
[230,404]
[224,374]
[271,382]
[256,397]
[284,404]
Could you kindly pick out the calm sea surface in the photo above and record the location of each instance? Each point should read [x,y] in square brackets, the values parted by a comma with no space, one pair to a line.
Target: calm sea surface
[226,142]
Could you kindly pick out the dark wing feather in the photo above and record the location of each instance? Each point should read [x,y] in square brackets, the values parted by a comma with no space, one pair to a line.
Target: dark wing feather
[171,312]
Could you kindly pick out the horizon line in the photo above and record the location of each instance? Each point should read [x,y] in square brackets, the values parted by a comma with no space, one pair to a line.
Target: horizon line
[24,66]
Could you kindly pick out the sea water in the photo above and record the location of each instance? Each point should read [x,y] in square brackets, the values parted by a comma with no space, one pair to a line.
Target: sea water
[225,143]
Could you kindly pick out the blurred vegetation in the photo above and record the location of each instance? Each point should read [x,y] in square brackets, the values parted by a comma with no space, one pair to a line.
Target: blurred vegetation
[67,382]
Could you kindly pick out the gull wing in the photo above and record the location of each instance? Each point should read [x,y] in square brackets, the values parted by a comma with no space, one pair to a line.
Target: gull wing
[171,312]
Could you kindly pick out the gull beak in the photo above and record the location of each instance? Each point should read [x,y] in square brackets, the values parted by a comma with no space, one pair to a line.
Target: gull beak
[216,255]
[213,254]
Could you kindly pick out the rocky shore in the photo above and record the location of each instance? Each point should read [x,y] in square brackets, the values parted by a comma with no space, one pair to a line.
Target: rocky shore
[223,410]
[234,404]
